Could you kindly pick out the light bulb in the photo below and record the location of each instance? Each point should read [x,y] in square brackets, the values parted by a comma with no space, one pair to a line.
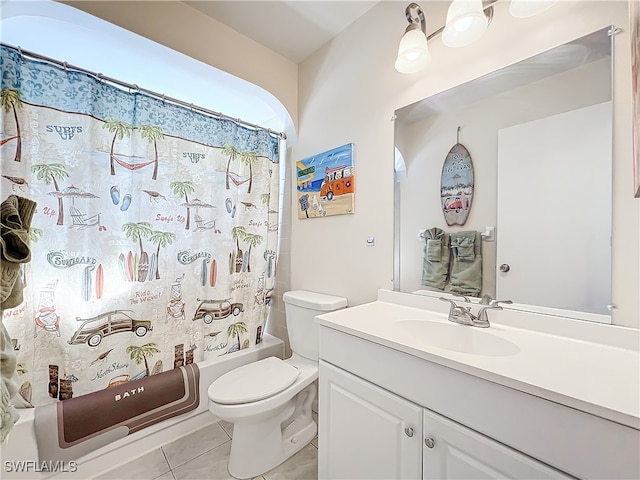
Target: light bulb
[413,52]
[466,22]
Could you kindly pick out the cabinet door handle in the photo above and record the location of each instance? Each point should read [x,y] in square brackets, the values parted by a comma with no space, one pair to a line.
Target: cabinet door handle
[408,431]
[429,442]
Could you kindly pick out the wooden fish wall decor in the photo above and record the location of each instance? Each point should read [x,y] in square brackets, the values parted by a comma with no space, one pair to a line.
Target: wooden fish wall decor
[456,186]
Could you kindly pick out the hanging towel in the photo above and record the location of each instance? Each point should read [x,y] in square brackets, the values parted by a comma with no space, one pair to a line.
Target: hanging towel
[435,265]
[466,265]
[15,217]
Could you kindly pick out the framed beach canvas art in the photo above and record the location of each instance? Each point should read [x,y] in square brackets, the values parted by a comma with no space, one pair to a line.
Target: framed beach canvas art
[326,183]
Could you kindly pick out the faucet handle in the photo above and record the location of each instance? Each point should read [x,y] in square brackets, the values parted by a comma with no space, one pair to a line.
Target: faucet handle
[486,300]
[453,304]
[482,320]
[455,310]
[466,299]
[494,303]
[458,313]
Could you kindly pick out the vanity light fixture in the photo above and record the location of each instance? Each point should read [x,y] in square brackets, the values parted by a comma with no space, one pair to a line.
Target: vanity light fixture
[413,52]
[466,21]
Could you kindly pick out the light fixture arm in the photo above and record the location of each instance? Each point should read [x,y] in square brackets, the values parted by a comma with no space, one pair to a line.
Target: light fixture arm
[417,21]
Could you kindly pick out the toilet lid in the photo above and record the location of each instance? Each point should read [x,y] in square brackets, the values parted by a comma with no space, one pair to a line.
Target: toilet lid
[253,382]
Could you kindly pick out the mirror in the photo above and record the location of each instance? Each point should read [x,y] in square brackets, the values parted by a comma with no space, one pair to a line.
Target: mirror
[539,133]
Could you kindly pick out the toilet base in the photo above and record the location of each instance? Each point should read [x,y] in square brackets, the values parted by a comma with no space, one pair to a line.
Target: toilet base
[258,447]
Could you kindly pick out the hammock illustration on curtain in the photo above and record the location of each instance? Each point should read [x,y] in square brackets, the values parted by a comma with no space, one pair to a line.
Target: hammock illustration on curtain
[132,166]
[141,206]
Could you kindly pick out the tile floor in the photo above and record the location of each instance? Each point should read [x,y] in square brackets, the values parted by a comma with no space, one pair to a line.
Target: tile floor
[203,455]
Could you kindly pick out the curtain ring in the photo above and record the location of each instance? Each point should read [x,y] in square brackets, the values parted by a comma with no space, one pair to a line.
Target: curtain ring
[20,54]
[136,87]
[163,102]
[65,68]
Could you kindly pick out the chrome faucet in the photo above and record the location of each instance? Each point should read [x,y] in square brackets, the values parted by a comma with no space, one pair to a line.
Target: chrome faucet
[459,314]
[463,315]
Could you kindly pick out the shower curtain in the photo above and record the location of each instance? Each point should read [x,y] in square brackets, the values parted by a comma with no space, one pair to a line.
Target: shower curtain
[153,244]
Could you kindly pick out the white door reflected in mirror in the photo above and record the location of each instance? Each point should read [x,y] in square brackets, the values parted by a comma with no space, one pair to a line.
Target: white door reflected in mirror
[552,206]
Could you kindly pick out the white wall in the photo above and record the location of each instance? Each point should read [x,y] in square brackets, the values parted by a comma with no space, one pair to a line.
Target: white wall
[348,92]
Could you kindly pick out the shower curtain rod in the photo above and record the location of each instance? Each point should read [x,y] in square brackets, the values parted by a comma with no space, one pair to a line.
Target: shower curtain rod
[132,86]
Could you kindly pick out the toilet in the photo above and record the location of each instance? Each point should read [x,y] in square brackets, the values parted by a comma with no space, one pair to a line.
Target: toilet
[269,401]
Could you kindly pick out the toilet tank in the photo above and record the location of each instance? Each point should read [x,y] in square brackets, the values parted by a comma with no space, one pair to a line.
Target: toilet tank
[301,307]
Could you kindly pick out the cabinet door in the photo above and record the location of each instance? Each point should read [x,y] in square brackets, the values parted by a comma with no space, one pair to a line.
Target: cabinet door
[366,432]
[452,450]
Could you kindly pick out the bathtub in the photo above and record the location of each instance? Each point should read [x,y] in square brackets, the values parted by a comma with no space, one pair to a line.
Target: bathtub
[20,445]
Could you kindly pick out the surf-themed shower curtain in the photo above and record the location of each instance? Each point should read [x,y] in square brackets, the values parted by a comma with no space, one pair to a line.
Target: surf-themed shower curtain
[154,239]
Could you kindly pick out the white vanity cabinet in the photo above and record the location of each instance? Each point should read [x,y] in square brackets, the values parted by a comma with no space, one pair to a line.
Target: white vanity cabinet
[452,450]
[368,432]
[381,408]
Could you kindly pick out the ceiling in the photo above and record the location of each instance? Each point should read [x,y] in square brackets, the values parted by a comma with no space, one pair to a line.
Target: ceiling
[294,29]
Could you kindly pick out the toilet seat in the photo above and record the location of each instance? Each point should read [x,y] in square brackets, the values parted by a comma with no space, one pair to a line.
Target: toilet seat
[252,382]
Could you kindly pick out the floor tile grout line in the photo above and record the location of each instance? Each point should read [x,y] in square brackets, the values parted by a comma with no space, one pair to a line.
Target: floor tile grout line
[168,464]
[198,456]
[165,457]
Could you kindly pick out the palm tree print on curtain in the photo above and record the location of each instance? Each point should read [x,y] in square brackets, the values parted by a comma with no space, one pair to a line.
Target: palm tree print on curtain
[246,158]
[10,99]
[152,134]
[136,231]
[253,240]
[184,188]
[232,153]
[163,239]
[146,255]
[120,130]
[235,329]
[249,158]
[140,354]
[51,173]
[237,234]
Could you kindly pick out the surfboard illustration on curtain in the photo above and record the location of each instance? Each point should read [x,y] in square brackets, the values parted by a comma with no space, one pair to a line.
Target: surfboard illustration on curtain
[456,187]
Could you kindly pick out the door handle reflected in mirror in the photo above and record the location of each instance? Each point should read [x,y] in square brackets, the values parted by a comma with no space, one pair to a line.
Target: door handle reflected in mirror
[505,268]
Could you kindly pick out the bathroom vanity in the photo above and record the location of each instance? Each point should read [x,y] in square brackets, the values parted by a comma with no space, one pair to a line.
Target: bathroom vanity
[404,393]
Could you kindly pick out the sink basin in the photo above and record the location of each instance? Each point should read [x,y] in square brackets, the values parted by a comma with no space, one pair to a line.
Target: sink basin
[459,338]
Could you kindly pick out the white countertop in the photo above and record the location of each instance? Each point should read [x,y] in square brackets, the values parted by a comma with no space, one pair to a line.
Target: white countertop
[592,372]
